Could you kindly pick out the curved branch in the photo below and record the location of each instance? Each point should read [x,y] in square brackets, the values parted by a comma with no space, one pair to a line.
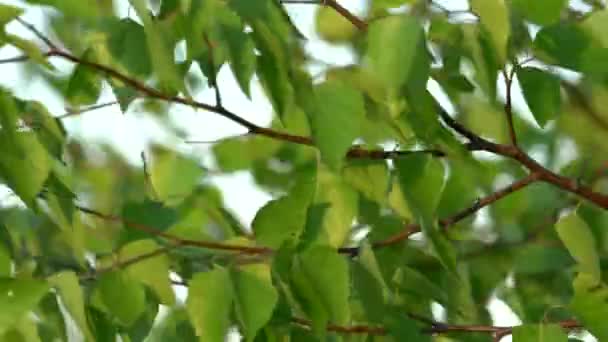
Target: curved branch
[177,240]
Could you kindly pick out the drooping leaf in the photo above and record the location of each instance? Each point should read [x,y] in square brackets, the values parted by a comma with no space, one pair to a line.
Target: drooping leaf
[173,176]
[422,182]
[396,65]
[338,105]
[151,271]
[8,13]
[494,17]
[84,86]
[589,304]
[369,177]
[255,297]
[66,283]
[579,241]
[18,297]
[209,302]
[542,93]
[122,295]
[332,26]
[148,213]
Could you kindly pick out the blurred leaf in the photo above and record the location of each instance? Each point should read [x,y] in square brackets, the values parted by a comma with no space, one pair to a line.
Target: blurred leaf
[19,296]
[589,305]
[321,279]
[67,285]
[173,175]
[395,66]
[579,241]
[338,105]
[369,177]
[209,303]
[84,86]
[539,333]
[127,43]
[422,182]
[149,214]
[369,284]
[541,12]
[153,272]
[8,13]
[494,17]
[255,297]
[87,9]
[122,295]
[332,26]
[542,93]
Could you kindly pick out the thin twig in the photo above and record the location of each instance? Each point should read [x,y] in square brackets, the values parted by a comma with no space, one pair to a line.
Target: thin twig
[77,111]
[185,242]
[38,34]
[508,104]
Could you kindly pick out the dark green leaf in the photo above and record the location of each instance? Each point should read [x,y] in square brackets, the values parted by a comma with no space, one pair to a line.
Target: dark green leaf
[542,93]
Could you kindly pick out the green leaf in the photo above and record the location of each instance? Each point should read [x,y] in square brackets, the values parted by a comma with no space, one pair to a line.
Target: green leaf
[153,272]
[241,50]
[589,305]
[24,162]
[173,176]
[342,205]
[279,220]
[149,214]
[17,298]
[210,297]
[369,177]
[539,333]
[494,18]
[542,93]
[158,47]
[127,44]
[338,106]
[122,295]
[396,65]
[403,328]
[84,86]
[328,276]
[580,242]
[7,14]
[422,182]
[540,12]
[86,9]
[30,49]
[369,284]
[67,285]
[255,297]
[332,26]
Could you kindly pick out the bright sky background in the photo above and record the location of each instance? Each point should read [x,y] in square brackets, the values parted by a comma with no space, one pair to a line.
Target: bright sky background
[132,132]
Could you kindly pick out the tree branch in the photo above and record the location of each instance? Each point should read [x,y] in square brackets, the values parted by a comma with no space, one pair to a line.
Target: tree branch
[177,240]
[508,104]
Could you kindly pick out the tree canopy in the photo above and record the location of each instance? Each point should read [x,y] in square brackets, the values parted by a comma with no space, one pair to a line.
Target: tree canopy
[460,158]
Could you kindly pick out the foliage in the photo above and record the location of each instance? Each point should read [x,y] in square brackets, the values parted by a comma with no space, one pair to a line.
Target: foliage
[459,160]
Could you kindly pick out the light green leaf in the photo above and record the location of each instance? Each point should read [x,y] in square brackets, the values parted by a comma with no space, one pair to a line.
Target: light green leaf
[240,49]
[87,9]
[70,292]
[255,297]
[596,25]
[30,49]
[369,284]
[153,272]
[18,297]
[5,262]
[337,121]
[158,47]
[332,26]
[579,240]
[84,86]
[328,276]
[279,220]
[540,12]
[173,175]
[122,295]
[405,37]
[539,333]
[542,93]
[369,177]
[342,204]
[422,182]
[24,162]
[7,14]
[590,305]
[127,44]
[209,304]
[494,17]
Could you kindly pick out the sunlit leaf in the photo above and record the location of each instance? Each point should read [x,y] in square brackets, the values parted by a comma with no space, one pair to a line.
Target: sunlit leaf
[579,240]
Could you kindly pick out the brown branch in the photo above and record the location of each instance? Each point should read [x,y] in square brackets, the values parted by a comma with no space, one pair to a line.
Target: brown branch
[177,240]
[508,104]
[360,24]
[450,221]
[433,327]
